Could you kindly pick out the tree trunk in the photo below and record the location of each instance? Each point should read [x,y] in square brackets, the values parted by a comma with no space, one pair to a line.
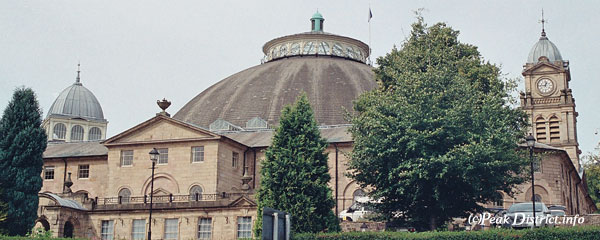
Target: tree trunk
[432,223]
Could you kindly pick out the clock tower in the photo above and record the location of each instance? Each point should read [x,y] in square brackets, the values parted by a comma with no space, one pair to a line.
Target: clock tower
[548,100]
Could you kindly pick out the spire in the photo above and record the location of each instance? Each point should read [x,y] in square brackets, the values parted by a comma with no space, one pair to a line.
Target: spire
[78,80]
[543,21]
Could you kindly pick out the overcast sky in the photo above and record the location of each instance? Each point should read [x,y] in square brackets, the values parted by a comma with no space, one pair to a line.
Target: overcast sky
[133,53]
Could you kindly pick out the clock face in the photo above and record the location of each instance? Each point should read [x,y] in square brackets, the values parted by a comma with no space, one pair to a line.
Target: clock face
[545,86]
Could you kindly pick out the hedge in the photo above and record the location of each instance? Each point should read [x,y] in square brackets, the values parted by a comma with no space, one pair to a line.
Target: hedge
[2,237]
[583,233]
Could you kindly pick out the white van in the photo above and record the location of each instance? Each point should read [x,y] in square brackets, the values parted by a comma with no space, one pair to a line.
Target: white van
[358,211]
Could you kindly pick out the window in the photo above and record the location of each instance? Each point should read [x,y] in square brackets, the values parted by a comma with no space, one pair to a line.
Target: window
[244,228]
[124,195]
[95,134]
[204,228]
[60,131]
[538,198]
[234,159]
[107,230]
[196,193]
[554,129]
[537,164]
[126,157]
[171,228]
[138,230]
[77,133]
[84,171]
[358,194]
[163,157]
[540,129]
[49,172]
[500,201]
[198,154]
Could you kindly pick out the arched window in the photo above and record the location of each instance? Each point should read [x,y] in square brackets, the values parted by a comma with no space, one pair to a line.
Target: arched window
[95,134]
[124,195]
[538,198]
[358,193]
[77,133]
[60,131]
[195,193]
[554,129]
[540,129]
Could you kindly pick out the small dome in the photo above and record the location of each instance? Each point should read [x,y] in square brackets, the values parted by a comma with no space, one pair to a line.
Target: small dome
[76,101]
[546,48]
[317,15]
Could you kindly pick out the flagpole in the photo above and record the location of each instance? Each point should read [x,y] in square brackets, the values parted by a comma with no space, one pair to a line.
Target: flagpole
[370,16]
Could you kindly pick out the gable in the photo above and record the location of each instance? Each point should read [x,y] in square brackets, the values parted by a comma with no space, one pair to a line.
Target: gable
[160,128]
[543,68]
[243,201]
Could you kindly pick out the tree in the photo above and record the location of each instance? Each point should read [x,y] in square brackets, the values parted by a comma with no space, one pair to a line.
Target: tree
[22,143]
[294,174]
[438,136]
[592,176]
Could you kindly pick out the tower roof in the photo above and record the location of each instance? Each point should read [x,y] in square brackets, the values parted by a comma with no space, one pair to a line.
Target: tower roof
[76,101]
[317,15]
[544,48]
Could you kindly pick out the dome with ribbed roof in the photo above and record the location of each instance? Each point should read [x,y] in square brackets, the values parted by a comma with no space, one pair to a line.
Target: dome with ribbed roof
[331,70]
[76,101]
[544,48]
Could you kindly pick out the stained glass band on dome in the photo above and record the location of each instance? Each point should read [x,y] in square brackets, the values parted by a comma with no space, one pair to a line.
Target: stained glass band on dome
[316,44]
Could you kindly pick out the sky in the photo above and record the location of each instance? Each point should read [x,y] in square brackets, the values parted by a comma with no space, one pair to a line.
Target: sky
[133,53]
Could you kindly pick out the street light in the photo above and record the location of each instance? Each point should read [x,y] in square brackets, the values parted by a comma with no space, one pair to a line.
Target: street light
[530,144]
[153,157]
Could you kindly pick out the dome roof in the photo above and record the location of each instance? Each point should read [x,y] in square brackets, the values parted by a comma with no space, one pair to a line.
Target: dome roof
[546,48]
[317,15]
[331,84]
[76,101]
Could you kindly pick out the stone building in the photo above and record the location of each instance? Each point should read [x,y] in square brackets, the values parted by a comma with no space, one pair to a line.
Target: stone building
[210,150]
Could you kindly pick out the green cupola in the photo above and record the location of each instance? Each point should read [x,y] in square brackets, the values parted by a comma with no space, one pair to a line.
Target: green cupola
[317,22]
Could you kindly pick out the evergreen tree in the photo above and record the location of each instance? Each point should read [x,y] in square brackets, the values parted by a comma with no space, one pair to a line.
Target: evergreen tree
[294,174]
[22,143]
[439,135]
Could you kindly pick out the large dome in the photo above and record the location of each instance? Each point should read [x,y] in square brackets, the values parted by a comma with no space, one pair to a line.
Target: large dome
[76,101]
[544,48]
[330,68]
[331,84]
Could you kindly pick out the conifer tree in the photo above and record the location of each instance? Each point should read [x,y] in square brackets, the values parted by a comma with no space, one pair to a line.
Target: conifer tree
[294,174]
[22,143]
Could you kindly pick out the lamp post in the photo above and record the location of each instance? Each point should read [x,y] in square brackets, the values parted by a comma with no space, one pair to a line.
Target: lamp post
[530,144]
[153,157]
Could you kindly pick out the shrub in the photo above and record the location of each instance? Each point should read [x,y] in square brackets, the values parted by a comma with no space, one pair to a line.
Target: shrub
[581,233]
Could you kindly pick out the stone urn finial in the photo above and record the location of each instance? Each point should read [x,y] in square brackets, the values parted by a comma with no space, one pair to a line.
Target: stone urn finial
[245,180]
[68,184]
[164,104]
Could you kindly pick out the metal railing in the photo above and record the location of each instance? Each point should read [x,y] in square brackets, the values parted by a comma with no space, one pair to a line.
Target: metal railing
[166,198]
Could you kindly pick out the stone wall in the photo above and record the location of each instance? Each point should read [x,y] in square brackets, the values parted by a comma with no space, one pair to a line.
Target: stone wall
[360,226]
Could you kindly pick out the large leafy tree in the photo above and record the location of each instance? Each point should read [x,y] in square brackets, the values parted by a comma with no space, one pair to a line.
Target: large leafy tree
[439,135]
[592,176]
[22,143]
[294,174]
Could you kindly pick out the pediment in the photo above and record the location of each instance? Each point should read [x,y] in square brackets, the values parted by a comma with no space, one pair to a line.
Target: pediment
[543,68]
[160,192]
[243,201]
[160,128]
